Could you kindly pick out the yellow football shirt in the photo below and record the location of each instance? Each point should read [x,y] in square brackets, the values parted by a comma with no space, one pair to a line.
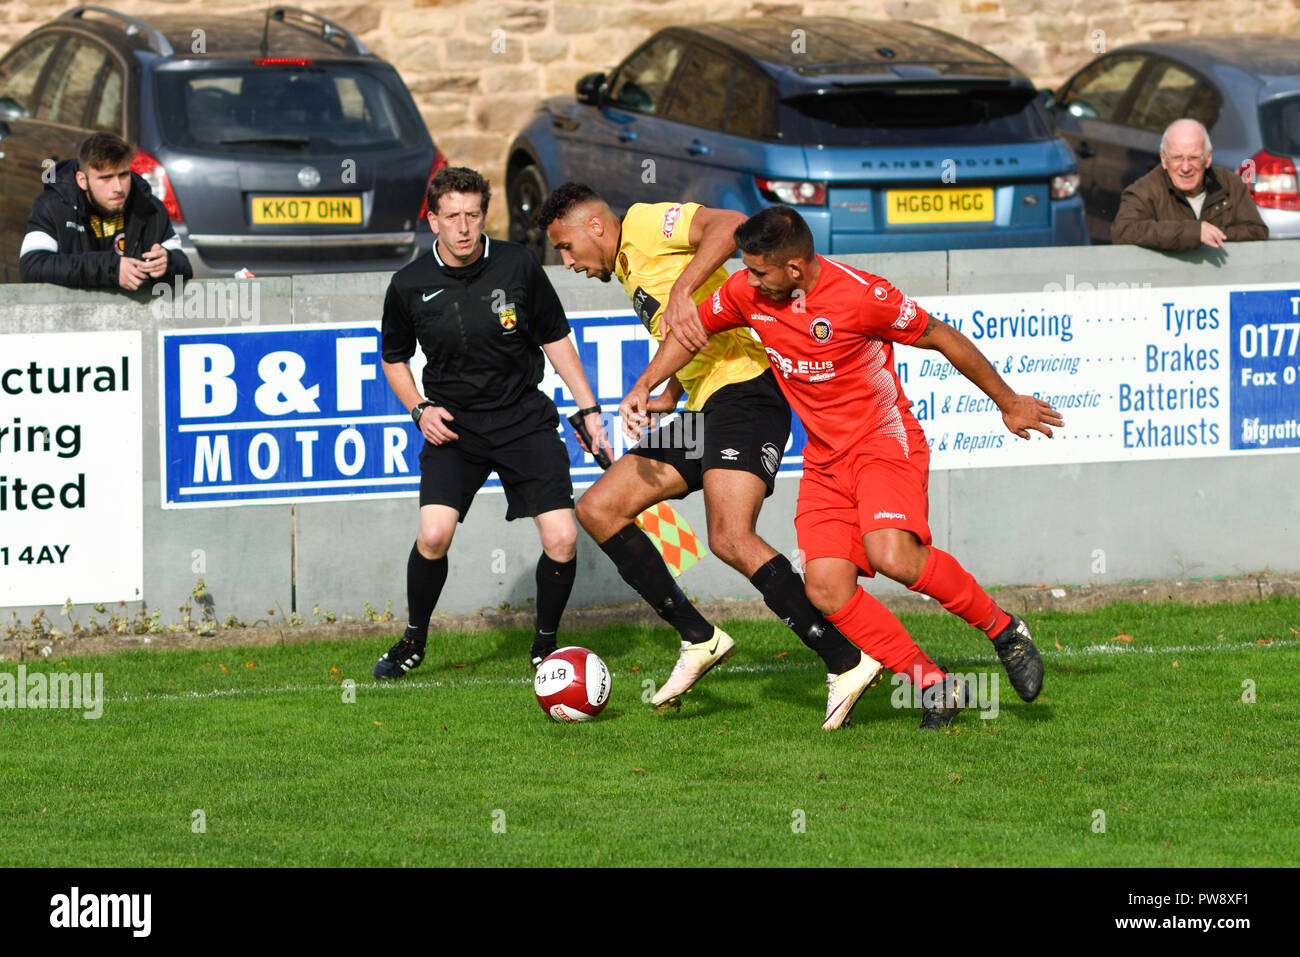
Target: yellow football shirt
[654,249]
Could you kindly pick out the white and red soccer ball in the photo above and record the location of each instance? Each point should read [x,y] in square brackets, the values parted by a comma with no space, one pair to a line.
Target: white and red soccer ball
[572,684]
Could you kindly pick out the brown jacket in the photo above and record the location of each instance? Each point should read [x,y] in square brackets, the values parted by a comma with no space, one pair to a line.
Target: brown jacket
[1154,214]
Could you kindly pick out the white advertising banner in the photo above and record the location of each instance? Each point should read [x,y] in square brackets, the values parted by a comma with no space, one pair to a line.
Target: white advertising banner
[71,501]
[1137,373]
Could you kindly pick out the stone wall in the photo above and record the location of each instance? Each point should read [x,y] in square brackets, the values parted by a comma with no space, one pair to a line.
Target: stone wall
[477,68]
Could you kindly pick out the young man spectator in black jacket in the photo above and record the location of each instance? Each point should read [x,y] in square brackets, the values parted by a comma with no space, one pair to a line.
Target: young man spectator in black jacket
[98,225]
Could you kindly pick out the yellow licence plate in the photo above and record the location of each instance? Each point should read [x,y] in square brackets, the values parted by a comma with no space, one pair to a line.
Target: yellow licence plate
[939,205]
[306,210]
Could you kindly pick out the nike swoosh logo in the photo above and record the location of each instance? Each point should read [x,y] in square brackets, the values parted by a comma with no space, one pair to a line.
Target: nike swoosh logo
[432,294]
[714,649]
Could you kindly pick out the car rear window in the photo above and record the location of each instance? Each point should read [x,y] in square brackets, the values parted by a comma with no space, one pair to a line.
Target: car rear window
[284,112]
[1279,124]
[915,116]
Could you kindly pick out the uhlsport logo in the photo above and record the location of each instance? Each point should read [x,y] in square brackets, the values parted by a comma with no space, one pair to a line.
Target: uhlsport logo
[821,330]
[75,909]
[58,690]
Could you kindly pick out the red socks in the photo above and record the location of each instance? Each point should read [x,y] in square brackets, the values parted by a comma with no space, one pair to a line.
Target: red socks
[870,625]
[944,580]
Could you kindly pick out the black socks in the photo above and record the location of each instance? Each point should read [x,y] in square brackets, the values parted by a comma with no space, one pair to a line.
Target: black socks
[643,568]
[424,580]
[554,583]
[783,592]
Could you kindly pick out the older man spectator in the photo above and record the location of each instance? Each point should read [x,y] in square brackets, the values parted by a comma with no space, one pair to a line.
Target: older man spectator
[1185,201]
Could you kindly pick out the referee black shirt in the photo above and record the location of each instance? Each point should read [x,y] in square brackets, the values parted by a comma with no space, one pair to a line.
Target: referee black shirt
[481,327]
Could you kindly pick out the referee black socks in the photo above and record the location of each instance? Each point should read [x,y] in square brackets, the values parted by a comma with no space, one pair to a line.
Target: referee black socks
[424,580]
[642,567]
[554,583]
[783,591]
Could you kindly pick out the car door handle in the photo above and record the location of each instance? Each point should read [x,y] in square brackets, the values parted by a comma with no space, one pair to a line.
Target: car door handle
[1086,151]
[698,148]
[627,136]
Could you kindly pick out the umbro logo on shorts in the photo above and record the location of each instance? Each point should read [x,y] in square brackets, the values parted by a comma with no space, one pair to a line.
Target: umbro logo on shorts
[729,454]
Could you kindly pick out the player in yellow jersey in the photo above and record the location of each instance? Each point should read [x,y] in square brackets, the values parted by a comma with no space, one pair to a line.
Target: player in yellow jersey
[729,441]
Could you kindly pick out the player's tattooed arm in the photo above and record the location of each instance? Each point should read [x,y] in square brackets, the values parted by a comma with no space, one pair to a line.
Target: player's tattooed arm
[713,236]
[564,357]
[635,407]
[1020,413]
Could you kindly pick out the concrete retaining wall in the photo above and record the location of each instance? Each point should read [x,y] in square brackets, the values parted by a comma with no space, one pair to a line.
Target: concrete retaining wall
[1154,519]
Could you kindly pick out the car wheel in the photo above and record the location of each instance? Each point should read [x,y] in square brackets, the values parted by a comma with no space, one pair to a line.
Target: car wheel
[525,193]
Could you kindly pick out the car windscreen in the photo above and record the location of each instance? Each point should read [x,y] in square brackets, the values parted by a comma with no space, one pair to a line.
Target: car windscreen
[274,111]
[914,116]
[1279,125]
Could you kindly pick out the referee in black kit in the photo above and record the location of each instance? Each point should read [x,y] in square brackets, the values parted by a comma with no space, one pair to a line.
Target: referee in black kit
[483,312]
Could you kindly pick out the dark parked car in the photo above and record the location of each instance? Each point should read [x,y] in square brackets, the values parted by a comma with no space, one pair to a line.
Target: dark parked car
[277,142]
[886,135]
[1244,88]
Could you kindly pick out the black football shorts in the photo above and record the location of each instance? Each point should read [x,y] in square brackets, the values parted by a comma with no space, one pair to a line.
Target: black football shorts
[743,426]
[526,452]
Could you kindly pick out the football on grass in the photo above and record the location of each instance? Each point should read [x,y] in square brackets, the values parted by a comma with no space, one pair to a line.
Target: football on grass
[572,684]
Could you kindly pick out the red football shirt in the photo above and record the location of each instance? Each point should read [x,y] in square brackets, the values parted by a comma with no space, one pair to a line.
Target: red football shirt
[832,352]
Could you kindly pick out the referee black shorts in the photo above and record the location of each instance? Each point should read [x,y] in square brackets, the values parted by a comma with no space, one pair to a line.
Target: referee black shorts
[521,445]
[743,426]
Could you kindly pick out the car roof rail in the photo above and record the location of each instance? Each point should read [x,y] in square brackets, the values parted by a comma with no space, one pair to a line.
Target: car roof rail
[314,24]
[157,42]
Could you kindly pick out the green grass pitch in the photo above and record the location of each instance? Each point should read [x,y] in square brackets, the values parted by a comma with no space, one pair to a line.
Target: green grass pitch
[1138,753]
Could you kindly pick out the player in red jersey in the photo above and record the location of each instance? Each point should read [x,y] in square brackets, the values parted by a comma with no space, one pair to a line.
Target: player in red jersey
[829,331]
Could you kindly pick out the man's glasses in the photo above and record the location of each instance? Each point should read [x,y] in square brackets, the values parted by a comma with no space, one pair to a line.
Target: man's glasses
[1196,159]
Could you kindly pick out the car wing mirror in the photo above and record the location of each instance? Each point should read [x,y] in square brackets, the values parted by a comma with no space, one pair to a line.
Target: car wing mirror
[590,89]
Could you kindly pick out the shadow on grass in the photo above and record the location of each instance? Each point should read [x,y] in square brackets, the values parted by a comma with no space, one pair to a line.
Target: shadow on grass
[700,703]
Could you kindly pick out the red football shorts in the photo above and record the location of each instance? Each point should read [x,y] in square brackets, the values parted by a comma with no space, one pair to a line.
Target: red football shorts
[874,486]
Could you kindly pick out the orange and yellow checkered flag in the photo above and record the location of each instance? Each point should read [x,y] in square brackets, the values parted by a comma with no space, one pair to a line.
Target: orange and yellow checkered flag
[671,533]
[673,536]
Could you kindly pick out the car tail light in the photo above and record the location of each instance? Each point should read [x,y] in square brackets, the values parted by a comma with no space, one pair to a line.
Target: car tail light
[439,161]
[281,61]
[153,173]
[795,192]
[1063,187]
[1272,181]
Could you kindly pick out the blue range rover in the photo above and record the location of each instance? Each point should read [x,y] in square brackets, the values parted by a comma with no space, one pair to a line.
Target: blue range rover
[887,136]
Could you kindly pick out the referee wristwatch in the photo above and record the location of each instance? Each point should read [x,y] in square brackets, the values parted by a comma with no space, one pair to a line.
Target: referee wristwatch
[419,411]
